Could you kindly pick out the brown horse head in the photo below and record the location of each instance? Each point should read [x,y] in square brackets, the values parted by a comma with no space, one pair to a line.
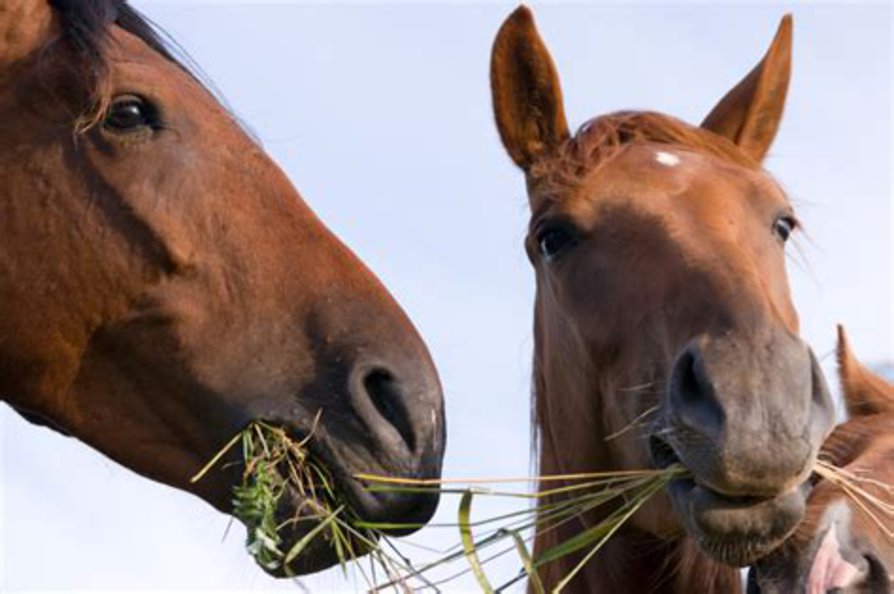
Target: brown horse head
[664,328]
[845,542]
[162,283]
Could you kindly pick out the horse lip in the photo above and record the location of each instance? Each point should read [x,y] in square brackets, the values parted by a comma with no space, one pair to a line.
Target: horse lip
[731,527]
[370,506]
[737,530]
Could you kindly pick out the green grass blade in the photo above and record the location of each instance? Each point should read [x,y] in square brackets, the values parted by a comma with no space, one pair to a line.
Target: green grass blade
[465,532]
[220,454]
[307,538]
[527,562]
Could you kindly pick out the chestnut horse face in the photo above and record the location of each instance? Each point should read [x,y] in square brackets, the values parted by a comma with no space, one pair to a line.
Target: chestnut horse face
[846,541]
[163,283]
[662,300]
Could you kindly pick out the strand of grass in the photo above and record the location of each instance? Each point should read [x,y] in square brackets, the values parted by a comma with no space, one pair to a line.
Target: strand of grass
[540,495]
[613,528]
[527,562]
[604,483]
[475,524]
[511,548]
[568,509]
[841,476]
[491,540]
[857,496]
[305,540]
[368,540]
[451,558]
[467,570]
[632,424]
[548,516]
[612,474]
[408,567]
[875,519]
[856,476]
[852,475]
[395,579]
[551,516]
[465,534]
[220,454]
[498,536]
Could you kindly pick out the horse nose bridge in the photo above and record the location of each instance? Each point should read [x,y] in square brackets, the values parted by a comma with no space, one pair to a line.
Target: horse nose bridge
[748,376]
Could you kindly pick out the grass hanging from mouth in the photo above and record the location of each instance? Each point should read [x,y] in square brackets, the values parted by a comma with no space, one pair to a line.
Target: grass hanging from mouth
[277,466]
[579,495]
[874,498]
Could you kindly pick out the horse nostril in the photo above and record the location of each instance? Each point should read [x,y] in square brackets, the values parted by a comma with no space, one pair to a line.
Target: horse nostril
[385,393]
[692,397]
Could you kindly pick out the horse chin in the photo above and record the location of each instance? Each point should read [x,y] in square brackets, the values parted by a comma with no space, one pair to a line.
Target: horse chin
[737,531]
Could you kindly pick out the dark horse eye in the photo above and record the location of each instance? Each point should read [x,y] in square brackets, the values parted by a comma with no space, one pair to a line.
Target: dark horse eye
[130,113]
[554,241]
[784,227]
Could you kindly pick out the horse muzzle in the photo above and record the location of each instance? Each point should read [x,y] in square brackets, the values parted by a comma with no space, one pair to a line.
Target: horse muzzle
[746,415]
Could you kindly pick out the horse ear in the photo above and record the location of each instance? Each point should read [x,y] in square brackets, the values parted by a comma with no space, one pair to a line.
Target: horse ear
[24,26]
[865,393]
[750,113]
[526,93]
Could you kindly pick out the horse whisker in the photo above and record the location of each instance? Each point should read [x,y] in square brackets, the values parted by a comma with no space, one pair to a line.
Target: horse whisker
[636,421]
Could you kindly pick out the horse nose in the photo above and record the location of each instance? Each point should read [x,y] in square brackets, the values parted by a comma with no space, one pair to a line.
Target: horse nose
[748,412]
[402,417]
[402,413]
[693,399]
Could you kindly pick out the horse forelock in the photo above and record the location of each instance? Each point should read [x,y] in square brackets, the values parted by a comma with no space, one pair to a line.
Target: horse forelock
[602,138]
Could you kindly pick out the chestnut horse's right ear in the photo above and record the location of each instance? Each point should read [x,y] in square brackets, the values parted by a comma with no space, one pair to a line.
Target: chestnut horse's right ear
[526,93]
[865,393]
[750,113]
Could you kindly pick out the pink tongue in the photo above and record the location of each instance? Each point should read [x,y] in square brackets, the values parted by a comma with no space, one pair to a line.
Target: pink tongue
[830,570]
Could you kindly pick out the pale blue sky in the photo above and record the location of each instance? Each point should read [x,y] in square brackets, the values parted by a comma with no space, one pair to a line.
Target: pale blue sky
[381,116]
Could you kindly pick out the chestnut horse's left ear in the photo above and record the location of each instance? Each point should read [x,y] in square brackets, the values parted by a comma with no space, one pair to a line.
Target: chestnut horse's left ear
[865,393]
[526,93]
[749,115]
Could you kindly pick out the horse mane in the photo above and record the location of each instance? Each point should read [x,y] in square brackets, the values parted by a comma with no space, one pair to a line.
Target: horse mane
[85,26]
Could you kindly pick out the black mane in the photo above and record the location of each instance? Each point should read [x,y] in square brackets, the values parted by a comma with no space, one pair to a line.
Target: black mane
[85,26]
[85,30]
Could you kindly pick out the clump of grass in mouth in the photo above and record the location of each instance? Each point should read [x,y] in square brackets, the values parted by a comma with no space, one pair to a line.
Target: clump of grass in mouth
[276,466]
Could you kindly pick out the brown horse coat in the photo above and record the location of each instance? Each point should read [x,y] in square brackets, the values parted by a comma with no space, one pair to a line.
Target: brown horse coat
[664,328]
[162,283]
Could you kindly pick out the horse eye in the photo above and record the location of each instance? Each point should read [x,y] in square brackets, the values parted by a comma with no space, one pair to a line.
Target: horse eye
[129,114]
[554,241]
[783,227]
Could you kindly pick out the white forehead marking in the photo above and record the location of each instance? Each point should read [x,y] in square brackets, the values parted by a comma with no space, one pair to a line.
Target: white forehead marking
[667,159]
